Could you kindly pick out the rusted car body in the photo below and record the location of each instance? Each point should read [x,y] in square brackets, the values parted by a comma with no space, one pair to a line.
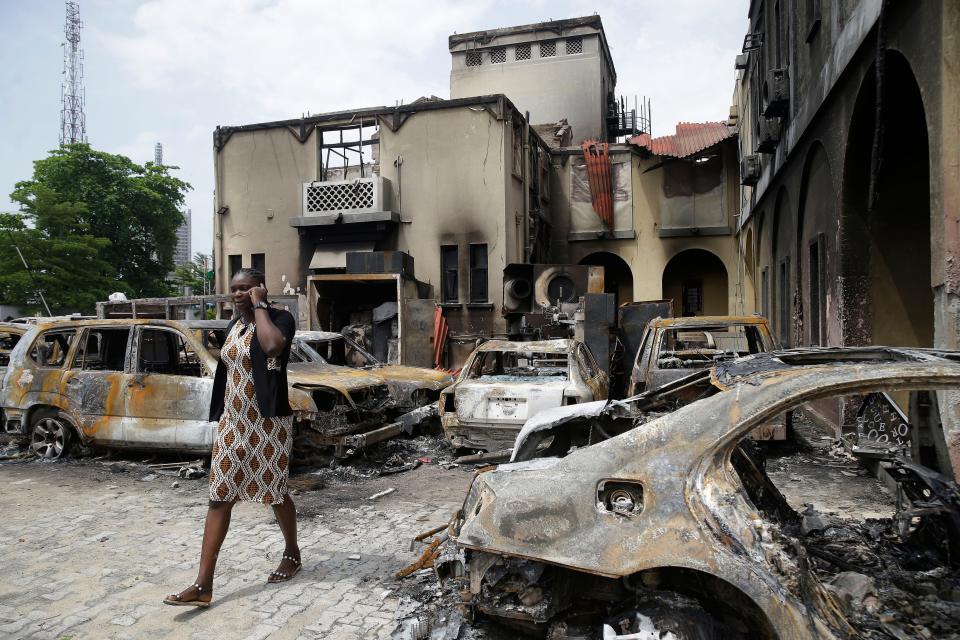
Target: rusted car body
[671,348]
[668,503]
[147,384]
[10,334]
[410,387]
[503,383]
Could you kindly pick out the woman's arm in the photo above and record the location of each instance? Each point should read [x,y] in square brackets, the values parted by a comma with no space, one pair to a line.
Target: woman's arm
[271,338]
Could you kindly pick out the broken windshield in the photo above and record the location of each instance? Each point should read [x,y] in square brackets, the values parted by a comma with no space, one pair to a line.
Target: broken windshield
[499,365]
[698,347]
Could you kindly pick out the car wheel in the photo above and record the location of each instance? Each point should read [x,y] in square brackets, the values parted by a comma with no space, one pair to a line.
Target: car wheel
[50,436]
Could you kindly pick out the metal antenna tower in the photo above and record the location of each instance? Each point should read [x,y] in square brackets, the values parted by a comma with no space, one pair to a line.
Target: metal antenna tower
[158,154]
[73,122]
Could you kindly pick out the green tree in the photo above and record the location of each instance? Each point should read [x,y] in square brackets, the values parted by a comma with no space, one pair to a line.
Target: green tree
[67,264]
[193,274]
[135,208]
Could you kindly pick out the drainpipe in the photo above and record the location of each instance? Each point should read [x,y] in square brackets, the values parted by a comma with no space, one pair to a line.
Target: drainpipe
[527,246]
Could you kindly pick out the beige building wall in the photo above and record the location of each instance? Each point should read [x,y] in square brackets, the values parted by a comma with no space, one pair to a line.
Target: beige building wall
[574,86]
[645,251]
[258,177]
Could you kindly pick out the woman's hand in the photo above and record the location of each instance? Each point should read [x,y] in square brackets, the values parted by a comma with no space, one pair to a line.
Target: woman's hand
[257,294]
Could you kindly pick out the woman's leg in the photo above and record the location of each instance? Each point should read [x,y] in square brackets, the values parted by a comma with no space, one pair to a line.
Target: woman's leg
[214,531]
[286,513]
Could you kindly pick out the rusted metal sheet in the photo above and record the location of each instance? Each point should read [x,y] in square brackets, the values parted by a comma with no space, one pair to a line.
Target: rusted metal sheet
[596,157]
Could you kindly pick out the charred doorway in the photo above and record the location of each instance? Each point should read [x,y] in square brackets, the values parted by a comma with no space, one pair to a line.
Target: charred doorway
[885,222]
[617,276]
[696,281]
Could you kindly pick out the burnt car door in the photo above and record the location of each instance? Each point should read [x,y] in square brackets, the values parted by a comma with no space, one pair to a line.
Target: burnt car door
[591,373]
[97,382]
[169,396]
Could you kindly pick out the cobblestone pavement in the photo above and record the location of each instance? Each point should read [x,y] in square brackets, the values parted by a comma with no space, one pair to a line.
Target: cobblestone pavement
[90,554]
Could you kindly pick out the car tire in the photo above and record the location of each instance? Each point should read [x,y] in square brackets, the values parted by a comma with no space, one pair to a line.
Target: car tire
[50,436]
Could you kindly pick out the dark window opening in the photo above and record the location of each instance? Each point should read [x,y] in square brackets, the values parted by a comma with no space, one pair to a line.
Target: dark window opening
[234,263]
[103,350]
[478,273]
[765,292]
[259,262]
[449,272]
[784,302]
[692,298]
[166,352]
[816,292]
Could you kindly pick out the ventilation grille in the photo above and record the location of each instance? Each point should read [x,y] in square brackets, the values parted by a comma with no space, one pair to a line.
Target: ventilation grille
[498,55]
[522,52]
[548,49]
[474,58]
[574,46]
[349,196]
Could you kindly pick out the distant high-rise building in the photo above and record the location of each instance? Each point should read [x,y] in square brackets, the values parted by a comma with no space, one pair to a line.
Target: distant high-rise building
[183,254]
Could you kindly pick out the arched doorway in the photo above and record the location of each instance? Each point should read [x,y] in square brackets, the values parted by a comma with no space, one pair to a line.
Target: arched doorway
[815,215]
[885,222]
[617,276]
[782,267]
[696,281]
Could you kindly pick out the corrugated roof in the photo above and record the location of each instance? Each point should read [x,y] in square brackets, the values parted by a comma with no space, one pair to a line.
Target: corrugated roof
[691,138]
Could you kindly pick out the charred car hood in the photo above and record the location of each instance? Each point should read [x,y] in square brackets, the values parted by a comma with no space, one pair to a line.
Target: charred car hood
[419,377]
[343,379]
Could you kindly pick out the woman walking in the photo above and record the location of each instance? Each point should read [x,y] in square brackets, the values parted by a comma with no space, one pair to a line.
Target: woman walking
[251,454]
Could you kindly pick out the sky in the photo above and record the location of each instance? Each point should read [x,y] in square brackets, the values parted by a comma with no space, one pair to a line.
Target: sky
[170,71]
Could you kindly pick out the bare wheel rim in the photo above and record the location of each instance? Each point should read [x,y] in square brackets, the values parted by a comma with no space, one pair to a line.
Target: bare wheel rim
[49,438]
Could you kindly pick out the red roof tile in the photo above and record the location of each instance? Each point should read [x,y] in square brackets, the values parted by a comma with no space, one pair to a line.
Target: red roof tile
[691,138]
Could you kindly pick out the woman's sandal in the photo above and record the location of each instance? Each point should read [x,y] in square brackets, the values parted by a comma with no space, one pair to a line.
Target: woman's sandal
[176,601]
[280,576]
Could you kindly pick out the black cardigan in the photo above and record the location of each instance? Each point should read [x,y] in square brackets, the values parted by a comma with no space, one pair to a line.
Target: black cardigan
[270,386]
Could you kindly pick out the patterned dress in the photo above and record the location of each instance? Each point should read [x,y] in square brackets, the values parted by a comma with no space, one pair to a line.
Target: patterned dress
[251,455]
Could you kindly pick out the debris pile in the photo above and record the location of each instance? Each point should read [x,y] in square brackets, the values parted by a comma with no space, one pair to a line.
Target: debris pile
[889,588]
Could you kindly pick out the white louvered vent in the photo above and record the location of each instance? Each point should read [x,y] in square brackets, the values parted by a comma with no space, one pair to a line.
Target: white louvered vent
[349,196]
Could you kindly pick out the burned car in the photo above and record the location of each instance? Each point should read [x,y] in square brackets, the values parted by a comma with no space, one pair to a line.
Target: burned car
[410,387]
[671,348]
[10,334]
[653,521]
[146,384]
[503,383]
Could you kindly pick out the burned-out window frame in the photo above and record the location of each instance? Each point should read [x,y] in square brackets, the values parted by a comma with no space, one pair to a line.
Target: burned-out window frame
[78,361]
[67,353]
[185,343]
[479,273]
[449,269]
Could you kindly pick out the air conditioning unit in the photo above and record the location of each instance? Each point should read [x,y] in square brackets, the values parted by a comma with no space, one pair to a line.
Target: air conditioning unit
[531,287]
[776,93]
[361,195]
[768,134]
[750,170]
[742,61]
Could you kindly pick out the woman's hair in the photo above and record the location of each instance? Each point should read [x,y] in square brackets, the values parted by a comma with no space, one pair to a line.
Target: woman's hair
[254,274]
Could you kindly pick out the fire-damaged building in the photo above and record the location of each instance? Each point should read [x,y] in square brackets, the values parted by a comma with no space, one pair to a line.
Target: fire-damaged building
[387,218]
[848,116]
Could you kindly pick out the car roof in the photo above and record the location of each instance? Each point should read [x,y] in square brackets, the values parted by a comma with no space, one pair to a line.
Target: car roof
[760,365]
[704,321]
[111,322]
[550,346]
